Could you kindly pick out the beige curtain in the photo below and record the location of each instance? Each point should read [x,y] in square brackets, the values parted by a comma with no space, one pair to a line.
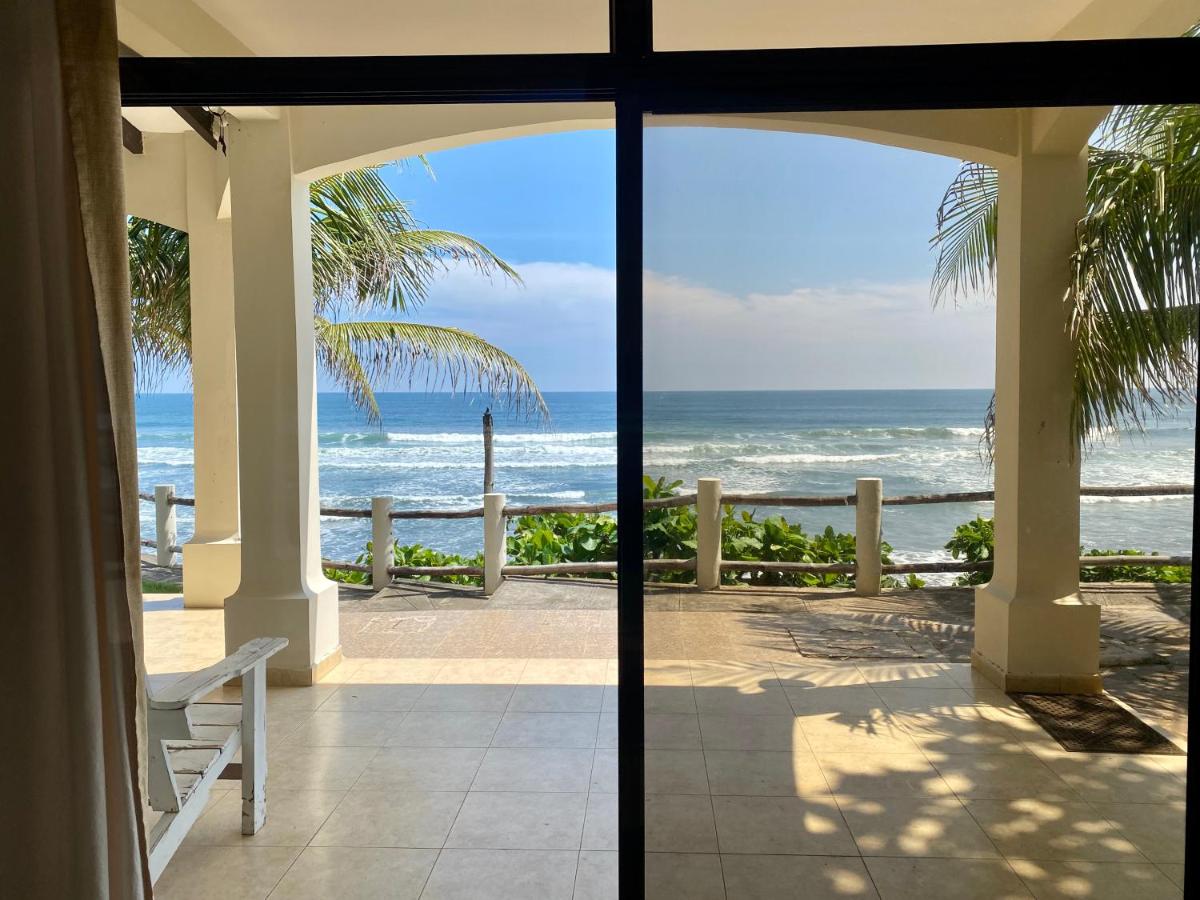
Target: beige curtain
[70,812]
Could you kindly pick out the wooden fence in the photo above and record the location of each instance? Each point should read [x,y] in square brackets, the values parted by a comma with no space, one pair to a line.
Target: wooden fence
[868,500]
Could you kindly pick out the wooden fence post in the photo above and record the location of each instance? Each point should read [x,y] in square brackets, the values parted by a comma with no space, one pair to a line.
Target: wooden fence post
[708,533]
[164,523]
[381,542]
[489,484]
[495,550]
[868,534]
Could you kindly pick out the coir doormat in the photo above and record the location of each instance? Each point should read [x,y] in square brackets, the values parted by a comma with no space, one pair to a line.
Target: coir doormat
[1093,723]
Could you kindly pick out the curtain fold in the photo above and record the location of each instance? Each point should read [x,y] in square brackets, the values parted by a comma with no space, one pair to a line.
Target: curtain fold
[70,673]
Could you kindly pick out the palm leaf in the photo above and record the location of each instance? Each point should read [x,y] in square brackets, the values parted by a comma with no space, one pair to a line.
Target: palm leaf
[363,356]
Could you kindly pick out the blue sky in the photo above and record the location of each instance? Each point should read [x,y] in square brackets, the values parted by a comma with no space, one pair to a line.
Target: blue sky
[774,260]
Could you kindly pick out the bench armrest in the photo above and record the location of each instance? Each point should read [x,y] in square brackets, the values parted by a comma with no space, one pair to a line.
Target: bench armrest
[192,687]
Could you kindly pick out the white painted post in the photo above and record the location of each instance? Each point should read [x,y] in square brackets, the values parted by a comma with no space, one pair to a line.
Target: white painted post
[254,748]
[708,533]
[495,551]
[164,523]
[381,542]
[489,469]
[868,535]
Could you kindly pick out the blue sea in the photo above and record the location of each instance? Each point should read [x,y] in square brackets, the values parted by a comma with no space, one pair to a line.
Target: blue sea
[428,454]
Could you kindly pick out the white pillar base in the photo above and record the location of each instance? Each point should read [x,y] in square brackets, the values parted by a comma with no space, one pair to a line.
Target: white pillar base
[212,571]
[309,623]
[1043,646]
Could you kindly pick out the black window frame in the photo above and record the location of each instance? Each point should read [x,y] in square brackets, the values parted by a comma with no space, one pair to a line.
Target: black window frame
[639,80]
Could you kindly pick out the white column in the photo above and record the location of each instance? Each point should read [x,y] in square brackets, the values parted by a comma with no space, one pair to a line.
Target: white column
[708,533]
[495,542]
[381,542]
[164,524]
[282,591]
[212,558]
[1032,632]
[868,536]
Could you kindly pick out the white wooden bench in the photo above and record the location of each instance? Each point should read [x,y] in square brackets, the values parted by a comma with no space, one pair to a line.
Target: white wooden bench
[192,744]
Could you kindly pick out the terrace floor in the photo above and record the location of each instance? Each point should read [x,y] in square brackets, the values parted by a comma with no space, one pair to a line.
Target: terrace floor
[465,748]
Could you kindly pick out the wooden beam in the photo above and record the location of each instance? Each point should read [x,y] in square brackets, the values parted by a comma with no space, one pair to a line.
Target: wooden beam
[131,137]
[199,118]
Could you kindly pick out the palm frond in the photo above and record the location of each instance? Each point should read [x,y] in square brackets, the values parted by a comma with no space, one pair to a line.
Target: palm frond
[366,355]
[965,238]
[160,286]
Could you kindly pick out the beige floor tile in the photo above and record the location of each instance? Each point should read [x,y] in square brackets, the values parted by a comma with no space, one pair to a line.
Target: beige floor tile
[421,769]
[908,674]
[857,699]
[878,775]
[557,698]
[446,729]
[669,698]
[764,773]
[1044,829]
[680,824]
[723,732]
[397,671]
[502,875]
[966,732]
[1116,777]
[671,731]
[365,873]
[675,772]
[466,697]
[600,824]
[550,730]
[483,671]
[946,701]
[1001,777]
[607,737]
[810,826]
[316,768]
[236,873]
[1156,829]
[673,876]
[1095,881]
[672,672]
[566,672]
[342,728]
[413,819]
[751,700]
[853,733]
[604,772]
[945,879]
[932,826]
[494,820]
[610,704]
[813,675]
[293,817]
[1174,871]
[281,698]
[343,672]
[596,878]
[753,877]
[520,769]
[374,697]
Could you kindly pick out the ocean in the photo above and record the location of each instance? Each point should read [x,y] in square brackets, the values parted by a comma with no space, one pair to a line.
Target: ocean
[428,454]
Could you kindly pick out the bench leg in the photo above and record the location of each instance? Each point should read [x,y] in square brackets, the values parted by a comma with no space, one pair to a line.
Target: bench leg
[254,748]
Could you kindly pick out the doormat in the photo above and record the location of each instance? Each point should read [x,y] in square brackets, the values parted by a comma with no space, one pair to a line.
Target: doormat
[1093,723]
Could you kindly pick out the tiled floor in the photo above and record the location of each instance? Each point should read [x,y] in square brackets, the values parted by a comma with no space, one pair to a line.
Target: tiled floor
[496,778]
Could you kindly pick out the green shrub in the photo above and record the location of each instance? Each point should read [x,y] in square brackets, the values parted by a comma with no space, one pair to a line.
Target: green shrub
[150,586]
[975,541]
[410,555]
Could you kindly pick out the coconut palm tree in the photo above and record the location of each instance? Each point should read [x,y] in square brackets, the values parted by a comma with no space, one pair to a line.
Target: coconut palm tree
[1132,297]
[369,255]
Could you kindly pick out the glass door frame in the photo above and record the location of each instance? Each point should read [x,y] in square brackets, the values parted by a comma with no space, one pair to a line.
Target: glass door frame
[640,81]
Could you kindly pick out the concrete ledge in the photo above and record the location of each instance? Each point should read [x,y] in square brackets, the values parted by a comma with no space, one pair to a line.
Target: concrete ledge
[211,572]
[1035,684]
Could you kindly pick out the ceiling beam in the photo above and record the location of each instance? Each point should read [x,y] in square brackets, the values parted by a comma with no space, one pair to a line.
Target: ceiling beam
[131,137]
[1038,73]
[199,118]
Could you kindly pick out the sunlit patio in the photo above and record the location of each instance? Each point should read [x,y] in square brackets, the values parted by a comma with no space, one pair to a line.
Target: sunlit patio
[471,752]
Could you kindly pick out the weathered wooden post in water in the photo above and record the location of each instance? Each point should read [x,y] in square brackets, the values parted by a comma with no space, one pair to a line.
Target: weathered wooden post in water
[164,523]
[868,536]
[708,533]
[488,472]
[381,542]
[495,549]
